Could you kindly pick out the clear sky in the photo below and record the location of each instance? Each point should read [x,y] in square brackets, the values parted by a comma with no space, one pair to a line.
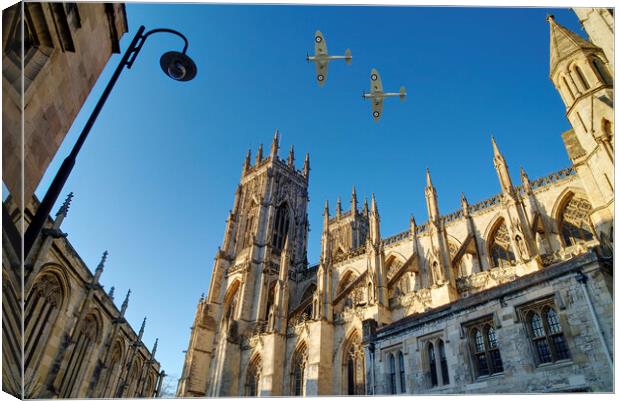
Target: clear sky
[157,175]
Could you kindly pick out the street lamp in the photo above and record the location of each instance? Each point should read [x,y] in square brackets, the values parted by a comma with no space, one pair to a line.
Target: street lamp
[177,65]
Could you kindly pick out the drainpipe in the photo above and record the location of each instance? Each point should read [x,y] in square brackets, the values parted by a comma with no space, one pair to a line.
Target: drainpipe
[583,279]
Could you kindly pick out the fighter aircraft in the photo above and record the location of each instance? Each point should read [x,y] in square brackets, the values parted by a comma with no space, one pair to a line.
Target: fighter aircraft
[377,95]
[322,59]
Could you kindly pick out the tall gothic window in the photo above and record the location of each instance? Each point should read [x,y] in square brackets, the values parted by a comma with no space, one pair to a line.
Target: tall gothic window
[575,221]
[354,366]
[401,371]
[602,71]
[483,344]
[432,364]
[114,368]
[79,356]
[392,374]
[280,227]
[581,78]
[298,371]
[42,307]
[443,362]
[545,332]
[252,381]
[500,248]
[247,235]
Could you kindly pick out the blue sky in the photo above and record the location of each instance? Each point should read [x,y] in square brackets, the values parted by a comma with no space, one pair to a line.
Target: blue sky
[156,177]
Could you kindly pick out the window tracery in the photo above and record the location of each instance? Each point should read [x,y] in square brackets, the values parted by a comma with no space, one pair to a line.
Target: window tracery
[500,248]
[575,221]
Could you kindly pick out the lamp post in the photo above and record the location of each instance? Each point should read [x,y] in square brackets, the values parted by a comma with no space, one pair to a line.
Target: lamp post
[177,65]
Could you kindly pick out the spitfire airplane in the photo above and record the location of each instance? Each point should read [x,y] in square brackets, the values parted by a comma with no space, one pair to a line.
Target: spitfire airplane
[377,95]
[322,59]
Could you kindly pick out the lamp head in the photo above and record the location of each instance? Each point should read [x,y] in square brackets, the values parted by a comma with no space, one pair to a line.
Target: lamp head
[178,66]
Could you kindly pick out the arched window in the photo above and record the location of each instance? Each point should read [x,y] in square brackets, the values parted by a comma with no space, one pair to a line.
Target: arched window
[432,364]
[42,307]
[392,374]
[79,356]
[568,89]
[444,363]
[581,78]
[601,71]
[134,378]
[114,368]
[249,230]
[298,371]
[252,380]
[280,227]
[354,366]
[575,221]
[306,298]
[500,248]
[401,371]
[487,359]
[546,334]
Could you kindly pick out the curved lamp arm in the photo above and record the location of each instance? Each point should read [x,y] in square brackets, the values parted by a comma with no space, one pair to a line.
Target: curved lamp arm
[135,47]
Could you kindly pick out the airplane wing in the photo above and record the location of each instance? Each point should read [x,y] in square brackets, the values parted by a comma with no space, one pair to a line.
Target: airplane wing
[377,108]
[375,81]
[320,48]
[321,71]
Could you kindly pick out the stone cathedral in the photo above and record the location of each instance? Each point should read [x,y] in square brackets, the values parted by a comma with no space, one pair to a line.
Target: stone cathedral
[511,294]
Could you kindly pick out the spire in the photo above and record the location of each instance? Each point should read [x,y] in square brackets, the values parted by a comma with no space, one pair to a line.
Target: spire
[246,162]
[431,198]
[141,332]
[125,303]
[325,252]
[365,210]
[326,216]
[464,204]
[564,43]
[501,167]
[259,154]
[64,209]
[429,182]
[353,202]
[525,181]
[111,293]
[275,145]
[154,348]
[291,157]
[412,224]
[375,232]
[99,269]
[338,208]
[307,165]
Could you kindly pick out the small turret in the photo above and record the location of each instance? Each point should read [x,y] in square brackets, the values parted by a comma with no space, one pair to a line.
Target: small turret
[291,157]
[431,199]
[125,303]
[154,350]
[275,145]
[141,332]
[307,166]
[99,269]
[412,225]
[502,168]
[246,163]
[259,154]
[111,293]
[464,205]
[338,208]
[353,202]
[375,231]
[525,181]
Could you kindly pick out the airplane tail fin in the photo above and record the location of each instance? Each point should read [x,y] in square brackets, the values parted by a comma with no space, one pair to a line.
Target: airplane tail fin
[307,58]
[402,94]
[347,56]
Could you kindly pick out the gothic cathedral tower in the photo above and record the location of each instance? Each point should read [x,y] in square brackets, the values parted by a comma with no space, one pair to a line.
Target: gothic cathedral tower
[583,74]
[254,272]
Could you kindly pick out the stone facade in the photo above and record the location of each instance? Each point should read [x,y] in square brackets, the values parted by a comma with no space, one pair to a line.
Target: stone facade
[77,343]
[66,47]
[511,294]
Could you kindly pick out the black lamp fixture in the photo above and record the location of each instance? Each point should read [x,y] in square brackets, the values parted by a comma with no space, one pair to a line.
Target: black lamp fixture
[177,65]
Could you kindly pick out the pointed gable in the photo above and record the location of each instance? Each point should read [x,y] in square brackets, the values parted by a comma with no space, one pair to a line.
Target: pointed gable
[563,43]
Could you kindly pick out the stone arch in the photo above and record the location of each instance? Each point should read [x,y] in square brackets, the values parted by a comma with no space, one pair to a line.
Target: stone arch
[573,219]
[347,278]
[115,366]
[499,245]
[252,376]
[44,303]
[298,371]
[394,261]
[352,358]
[60,273]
